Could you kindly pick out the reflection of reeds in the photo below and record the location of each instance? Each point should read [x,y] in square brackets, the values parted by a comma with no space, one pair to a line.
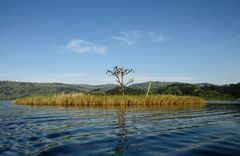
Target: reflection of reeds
[74,100]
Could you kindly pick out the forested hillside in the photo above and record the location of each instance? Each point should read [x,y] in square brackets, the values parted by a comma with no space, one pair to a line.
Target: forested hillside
[13,90]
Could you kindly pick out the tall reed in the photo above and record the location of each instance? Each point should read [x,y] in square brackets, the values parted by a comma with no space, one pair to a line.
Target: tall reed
[78,99]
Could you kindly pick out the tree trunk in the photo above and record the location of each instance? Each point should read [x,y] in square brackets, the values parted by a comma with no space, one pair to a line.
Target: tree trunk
[123,90]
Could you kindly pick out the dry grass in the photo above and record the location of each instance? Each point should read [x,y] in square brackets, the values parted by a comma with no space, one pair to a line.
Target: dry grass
[86,100]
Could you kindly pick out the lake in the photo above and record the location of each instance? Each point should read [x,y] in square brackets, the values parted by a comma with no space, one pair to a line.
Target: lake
[213,129]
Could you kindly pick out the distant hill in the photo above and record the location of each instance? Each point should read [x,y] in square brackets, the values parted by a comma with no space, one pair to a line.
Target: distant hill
[204,90]
[205,84]
[13,90]
[154,85]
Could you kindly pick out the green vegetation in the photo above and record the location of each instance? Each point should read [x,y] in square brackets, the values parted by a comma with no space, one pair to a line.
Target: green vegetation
[78,99]
[14,90]
[206,91]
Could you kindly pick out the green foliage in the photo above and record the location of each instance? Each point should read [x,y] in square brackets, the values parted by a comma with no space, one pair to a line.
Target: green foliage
[210,92]
[180,89]
[128,90]
[13,90]
[173,90]
[154,86]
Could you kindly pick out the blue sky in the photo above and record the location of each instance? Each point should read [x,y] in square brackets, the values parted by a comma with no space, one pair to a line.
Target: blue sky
[73,41]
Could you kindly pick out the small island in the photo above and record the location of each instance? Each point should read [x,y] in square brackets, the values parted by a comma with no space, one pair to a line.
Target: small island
[79,100]
[123,95]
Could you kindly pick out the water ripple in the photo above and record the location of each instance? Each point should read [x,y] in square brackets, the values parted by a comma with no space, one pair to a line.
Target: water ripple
[209,130]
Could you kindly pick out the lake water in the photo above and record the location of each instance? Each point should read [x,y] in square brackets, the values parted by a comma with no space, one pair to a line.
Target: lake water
[213,129]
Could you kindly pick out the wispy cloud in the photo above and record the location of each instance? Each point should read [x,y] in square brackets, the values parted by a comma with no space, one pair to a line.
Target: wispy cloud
[123,40]
[82,46]
[128,38]
[132,37]
[155,37]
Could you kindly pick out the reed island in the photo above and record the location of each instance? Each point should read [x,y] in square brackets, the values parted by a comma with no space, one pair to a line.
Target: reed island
[86,99]
[79,99]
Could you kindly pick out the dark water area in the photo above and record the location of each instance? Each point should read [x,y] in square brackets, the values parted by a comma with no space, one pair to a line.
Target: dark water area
[223,102]
[213,129]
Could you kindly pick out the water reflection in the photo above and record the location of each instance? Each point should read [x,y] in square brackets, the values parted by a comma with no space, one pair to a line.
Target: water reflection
[189,130]
[121,134]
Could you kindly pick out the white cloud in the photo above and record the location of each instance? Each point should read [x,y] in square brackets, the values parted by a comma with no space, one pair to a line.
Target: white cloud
[132,37]
[155,37]
[128,38]
[81,47]
[123,39]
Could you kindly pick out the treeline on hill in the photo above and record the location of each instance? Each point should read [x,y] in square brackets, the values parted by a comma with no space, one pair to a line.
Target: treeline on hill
[13,90]
[206,91]
[225,92]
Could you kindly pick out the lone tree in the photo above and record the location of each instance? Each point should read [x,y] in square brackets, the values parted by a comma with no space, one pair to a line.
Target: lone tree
[119,73]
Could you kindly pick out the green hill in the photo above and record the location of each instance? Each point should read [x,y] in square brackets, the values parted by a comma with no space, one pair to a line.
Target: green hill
[207,91]
[154,85]
[13,90]
[204,90]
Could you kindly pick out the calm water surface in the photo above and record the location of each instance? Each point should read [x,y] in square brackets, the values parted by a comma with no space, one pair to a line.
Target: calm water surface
[48,131]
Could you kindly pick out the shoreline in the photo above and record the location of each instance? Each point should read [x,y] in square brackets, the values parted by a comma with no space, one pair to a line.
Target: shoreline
[223,101]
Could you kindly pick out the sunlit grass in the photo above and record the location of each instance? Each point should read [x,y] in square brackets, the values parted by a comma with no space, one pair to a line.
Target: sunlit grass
[78,99]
